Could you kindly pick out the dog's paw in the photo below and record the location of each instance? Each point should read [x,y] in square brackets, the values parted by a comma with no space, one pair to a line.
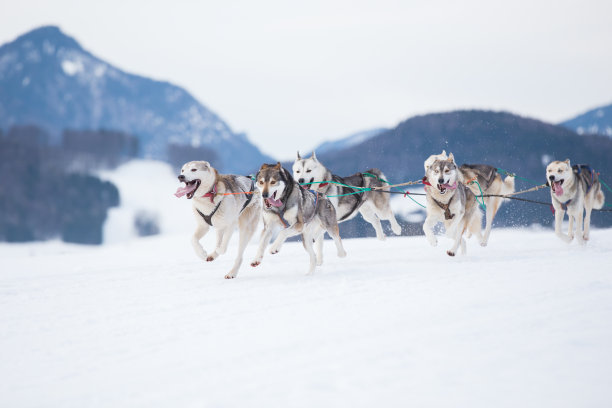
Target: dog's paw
[211,257]
[230,275]
[433,241]
[397,229]
[274,251]
[585,237]
[342,254]
[255,263]
[450,253]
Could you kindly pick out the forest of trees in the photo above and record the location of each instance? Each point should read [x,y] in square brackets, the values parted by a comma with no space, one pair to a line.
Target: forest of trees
[46,190]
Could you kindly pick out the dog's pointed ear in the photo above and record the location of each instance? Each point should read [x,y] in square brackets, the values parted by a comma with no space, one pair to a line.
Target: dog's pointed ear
[298,155]
[263,167]
[314,155]
[278,165]
[451,158]
[568,162]
[443,153]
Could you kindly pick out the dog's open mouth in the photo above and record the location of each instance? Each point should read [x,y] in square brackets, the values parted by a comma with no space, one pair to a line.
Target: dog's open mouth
[556,187]
[271,201]
[444,187]
[309,185]
[189,189]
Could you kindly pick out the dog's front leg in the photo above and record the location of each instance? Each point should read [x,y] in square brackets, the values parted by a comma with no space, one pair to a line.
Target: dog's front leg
[428,225]
[579,232]
[223,237]
[264,240]
[457,234]
[559,214]
[200,231]
[281,238]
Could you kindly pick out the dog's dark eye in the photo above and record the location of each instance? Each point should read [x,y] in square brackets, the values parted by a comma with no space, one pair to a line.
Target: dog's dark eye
[193,169]
[560,171]
[308,171]
[273,182]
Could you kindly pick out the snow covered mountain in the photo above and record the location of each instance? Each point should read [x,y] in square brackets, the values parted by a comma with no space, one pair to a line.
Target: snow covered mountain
[48,79]
[595,121]
[348,141]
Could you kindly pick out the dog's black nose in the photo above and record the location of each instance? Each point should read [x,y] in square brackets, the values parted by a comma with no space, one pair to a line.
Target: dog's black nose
[440,181]
[552,178]
[300,180]
[265,194]
[181,177]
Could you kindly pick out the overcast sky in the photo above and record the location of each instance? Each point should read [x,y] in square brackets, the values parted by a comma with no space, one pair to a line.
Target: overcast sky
[293,74]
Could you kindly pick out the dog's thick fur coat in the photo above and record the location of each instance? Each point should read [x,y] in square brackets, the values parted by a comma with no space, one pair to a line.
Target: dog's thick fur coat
[450,202]
[577,191]
[489,181]
[296,211]
[374,206]
[206,187]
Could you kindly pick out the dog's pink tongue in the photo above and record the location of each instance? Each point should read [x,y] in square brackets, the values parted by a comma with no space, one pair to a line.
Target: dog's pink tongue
[454,186]
[273,202]
[181,191]
[558,188]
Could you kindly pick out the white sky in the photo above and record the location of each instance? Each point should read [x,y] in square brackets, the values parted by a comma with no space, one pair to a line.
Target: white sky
[293,74]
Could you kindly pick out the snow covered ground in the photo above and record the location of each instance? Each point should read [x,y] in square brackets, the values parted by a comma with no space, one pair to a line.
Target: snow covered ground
[525,322]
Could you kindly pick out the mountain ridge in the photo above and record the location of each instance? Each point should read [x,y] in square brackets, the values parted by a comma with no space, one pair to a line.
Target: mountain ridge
[48,79]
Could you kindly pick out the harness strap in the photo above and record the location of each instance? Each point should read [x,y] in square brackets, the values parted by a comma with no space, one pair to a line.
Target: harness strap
[208,218]
[358,201]
[249,198]
[445,207]
[212,193]
[425,181]
[565,204]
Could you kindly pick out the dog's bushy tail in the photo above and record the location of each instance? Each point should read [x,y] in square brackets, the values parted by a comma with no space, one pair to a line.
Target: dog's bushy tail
[600,199]
[508,185]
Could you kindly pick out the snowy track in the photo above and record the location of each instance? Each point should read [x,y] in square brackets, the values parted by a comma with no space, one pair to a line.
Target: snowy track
[525,322]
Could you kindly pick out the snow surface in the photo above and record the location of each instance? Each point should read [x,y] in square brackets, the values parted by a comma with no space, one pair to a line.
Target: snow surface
[525,322]
[145,187]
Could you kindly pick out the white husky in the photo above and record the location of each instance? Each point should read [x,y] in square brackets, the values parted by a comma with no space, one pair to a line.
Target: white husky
[374,206]
[450,202]
[488,180]
[223,201]
[574,189]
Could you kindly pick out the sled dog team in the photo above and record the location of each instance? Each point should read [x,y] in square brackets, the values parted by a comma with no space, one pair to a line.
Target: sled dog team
[311,201]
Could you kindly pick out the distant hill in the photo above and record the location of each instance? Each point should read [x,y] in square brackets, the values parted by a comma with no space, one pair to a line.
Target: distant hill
[348,141]
[507,141]
[47,79]
[597,121]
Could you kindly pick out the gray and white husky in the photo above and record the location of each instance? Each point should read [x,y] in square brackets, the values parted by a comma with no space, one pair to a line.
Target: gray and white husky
[449,201]
[213,208]
[373,205]
[490,182]
[574,189]
[296,211]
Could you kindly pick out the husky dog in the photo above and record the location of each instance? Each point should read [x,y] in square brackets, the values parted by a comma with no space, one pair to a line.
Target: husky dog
[223,201]
[574,189]
[450,202]
[296,211]
[373,206]
[490,182]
